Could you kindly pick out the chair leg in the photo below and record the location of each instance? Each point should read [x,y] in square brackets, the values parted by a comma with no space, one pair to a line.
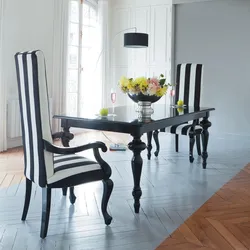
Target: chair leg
[107,190]
[177,143]
[72,196]
[46,200]
[149,146]
[198,143]
[64,191]
[156,138]
[191,146]
[27,198]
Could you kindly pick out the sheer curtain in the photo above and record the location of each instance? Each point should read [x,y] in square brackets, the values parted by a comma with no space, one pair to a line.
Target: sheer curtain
[61,9]
[61,29]
[103,62]
[3,105]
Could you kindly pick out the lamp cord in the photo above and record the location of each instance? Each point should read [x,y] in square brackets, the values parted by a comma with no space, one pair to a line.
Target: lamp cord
[112,42]
[107,137]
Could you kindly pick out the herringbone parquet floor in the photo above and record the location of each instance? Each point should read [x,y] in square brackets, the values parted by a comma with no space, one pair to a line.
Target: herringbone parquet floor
[172,190]
[223,222]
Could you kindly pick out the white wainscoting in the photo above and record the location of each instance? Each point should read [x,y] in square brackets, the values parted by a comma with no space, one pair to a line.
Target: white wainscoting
[13,119]
[14,131]
[157,21]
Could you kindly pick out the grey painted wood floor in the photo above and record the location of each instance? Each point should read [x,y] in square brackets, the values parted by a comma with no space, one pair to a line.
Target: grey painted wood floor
[172,190]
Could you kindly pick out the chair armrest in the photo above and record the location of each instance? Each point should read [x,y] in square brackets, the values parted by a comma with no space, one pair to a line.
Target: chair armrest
[72,150]
[57,135]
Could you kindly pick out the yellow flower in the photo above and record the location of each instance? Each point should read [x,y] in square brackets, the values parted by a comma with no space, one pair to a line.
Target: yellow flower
[124,82]
[144,86]
[130,87]
[140,84]
[161,91]
[140,81]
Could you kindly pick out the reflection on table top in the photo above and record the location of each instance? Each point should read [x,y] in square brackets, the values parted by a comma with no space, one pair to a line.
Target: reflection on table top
[128,114]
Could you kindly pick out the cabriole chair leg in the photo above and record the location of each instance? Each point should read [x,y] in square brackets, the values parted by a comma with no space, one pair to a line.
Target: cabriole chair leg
[198,143]
[177,143]
[191,146]
[27,198]
[46,200]
[72,196]
[107,190]
[156,138]
[149,146]
[64,191]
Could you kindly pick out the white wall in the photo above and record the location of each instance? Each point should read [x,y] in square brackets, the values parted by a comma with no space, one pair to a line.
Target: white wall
[217,34]
[28,25]
[152,17]
[3,137]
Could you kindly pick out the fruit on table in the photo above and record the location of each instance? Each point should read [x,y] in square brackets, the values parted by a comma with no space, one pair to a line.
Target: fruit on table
[180,110]
[180,103]
[104,111]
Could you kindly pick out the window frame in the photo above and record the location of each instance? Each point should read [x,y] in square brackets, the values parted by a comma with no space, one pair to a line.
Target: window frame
[93,4]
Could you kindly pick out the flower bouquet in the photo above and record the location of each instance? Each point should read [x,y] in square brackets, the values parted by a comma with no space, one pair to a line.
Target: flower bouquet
[144,89]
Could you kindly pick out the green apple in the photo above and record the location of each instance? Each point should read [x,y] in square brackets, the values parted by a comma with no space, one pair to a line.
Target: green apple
[104,112]
[180,103]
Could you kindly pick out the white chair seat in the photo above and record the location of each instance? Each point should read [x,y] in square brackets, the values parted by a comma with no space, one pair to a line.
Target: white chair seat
[68,165]
[183,129]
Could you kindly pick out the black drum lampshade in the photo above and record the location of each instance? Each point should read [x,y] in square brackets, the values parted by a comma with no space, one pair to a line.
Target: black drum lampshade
[135,40]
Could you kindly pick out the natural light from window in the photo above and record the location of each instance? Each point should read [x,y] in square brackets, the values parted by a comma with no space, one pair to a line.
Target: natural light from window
[82,58]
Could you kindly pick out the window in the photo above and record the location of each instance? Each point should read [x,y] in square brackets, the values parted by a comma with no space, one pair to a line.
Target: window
[82,57]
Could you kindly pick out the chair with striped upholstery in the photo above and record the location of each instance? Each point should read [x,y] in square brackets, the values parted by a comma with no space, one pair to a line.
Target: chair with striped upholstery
[47,165]
[188,88]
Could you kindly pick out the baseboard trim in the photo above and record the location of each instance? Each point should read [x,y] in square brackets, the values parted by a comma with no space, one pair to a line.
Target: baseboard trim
[14,142]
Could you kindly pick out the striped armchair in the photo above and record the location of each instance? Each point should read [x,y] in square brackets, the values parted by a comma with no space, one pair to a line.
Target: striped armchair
[47,165]
[189,84]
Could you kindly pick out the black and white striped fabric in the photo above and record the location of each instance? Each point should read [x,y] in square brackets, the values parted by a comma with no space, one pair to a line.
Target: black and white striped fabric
[35,120]
[184,129]
[189,79]
[69,165]
[41,167]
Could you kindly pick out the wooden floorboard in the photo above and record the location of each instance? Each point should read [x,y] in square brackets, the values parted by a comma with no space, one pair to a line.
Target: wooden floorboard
[11,161]
[223,222]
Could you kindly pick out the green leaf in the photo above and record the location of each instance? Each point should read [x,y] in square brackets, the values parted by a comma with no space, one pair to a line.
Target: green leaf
[162,82]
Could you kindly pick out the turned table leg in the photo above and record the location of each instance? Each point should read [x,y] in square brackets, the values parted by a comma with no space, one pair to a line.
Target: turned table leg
[136,146]
[205,123]
[66,137]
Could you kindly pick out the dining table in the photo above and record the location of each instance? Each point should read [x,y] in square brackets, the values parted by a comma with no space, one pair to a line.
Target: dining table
[127,120]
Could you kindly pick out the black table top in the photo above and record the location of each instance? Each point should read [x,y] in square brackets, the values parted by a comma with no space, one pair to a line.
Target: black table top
[126,119]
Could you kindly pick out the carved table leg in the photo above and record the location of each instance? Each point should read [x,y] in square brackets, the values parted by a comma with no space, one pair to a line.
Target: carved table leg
[149,147]
[136,146]
[66,137]
[205,123]
[156,138]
